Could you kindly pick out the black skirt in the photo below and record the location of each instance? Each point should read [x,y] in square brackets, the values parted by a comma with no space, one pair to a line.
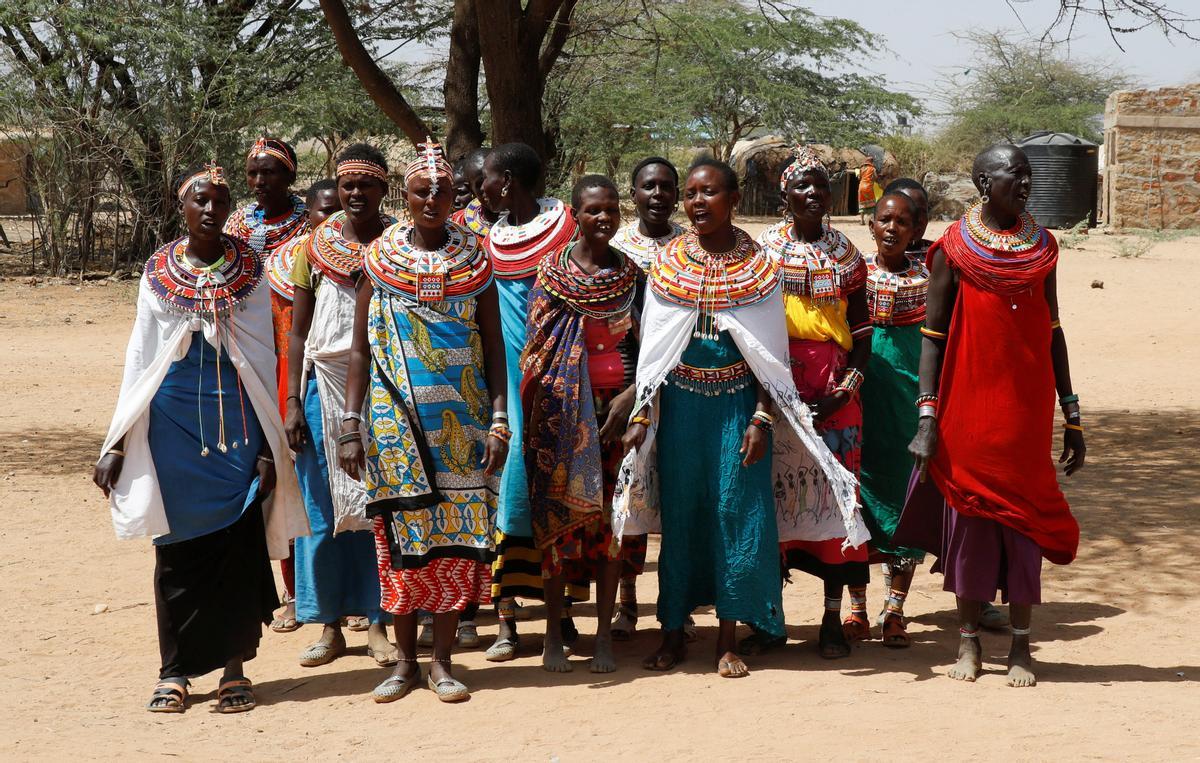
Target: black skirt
[213,594]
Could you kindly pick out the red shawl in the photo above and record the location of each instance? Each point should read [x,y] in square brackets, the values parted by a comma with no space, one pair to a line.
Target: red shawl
[996,418]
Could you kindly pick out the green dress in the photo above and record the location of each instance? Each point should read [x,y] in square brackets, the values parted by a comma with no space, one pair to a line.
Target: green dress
[888,396]
[719,538]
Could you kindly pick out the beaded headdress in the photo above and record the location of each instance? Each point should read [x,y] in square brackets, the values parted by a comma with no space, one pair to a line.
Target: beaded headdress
[211,174]
[361,167]
[273,148]
[806,160]
[432,162]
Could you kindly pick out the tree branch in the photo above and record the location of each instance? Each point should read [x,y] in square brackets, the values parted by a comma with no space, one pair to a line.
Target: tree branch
[558,38]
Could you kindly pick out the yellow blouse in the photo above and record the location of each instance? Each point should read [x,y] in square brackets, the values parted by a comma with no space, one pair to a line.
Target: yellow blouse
[817,321]
[302,271]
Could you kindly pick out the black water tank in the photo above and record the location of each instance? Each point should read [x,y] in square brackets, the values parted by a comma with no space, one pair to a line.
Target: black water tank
[1065,169]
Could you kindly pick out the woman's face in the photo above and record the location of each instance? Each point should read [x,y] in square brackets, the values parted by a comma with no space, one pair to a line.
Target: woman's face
[494,186]
[1007,183]
[428,203]
[205,208]
[599,216]
[361,196]
[808,196]
[268,178]
[708,201]
[892,226]
[655,194]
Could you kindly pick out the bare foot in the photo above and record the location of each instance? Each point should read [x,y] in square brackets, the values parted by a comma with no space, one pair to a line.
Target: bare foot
[670,652]
[554,657]
[379,647]
[603,660]
[831,639]
[1020,663]
[729,665]
[969,660]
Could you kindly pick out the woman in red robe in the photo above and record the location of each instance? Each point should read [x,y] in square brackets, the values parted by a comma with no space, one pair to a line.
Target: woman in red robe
[992,358]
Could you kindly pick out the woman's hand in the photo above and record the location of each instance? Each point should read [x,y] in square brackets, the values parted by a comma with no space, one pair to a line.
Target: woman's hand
[1074,451]
[266,474]
[107,471]
[830,404]
[294,424]
[924,444]
[495,452]
[634,437]
[351,456]
[619,410]
[754,445]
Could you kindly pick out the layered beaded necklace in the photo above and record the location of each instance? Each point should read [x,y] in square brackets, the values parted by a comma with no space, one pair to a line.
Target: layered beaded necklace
[1022,237]
[606,295]
[643,249]
[209,290]
[689,275]
[474,219]
[516,249]
[279,269]
[264,235]
[458,270]
[338,259]
[824,270]
[897,299]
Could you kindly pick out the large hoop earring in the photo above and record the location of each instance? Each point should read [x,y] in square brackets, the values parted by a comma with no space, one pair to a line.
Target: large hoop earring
[503,191]
[985,195]
[985,198]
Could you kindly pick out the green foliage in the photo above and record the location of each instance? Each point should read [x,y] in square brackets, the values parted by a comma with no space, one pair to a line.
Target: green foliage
[1019,86]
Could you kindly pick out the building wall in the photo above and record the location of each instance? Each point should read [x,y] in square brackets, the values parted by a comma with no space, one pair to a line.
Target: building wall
[12,166]
[1152,158]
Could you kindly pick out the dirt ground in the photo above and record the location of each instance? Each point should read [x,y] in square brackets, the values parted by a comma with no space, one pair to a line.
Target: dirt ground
[1118,671]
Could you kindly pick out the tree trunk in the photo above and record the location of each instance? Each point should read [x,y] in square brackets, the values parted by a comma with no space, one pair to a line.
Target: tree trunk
[375,81]
[514,85]
[460,89]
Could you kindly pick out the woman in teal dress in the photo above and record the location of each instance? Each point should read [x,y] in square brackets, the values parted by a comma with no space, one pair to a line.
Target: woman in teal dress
[710,372]
[897,282]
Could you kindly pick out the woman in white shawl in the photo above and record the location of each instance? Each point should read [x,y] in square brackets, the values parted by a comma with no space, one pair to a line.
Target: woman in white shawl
[335,566]
[710,371]
[190,455]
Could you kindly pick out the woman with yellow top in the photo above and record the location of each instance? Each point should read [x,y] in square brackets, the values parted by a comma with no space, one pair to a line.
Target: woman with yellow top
[829,333]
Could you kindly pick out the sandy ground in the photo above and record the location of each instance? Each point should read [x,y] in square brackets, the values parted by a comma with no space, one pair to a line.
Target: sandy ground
[1115,644]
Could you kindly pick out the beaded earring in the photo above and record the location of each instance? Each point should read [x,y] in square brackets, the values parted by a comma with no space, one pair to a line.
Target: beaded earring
[985,197]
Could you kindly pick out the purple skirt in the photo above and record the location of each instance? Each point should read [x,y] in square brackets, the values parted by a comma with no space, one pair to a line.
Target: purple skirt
[978,556]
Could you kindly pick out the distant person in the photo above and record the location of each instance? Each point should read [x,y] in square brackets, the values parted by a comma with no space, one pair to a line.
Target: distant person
[427,367]
[335,566]
[462,186]
[868,190]
[477,216]
[993,355]
[897,284]
[190,457]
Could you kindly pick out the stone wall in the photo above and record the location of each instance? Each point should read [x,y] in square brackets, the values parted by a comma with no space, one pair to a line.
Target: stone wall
[1152,158]
[12,187]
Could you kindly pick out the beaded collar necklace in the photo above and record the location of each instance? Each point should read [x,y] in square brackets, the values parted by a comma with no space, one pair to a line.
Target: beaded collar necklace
[688,275]
[606,294]
[516,249]
[215,289]
[1022,237]
[458,270]
[643,249]
[264,235]
[825,270]
[897,299]
[475,220]
[279,268]
[337,258]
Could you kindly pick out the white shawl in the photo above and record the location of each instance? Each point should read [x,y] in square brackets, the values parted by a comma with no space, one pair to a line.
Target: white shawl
[760,332]
[327,351]
[159,338]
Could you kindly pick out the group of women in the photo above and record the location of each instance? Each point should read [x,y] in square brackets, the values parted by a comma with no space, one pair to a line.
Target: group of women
[499,396]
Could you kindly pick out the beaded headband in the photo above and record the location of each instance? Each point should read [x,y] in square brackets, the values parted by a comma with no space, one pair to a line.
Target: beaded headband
[806,161]
[361,167]
[274,148]
[432,162]
[211,174]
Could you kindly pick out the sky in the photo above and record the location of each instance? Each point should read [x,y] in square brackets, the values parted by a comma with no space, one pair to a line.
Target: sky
[920,48]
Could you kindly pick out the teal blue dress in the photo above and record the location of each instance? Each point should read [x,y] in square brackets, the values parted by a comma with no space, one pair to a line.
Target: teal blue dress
[720,544]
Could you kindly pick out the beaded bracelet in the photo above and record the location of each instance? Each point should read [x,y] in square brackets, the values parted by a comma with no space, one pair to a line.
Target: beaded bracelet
[764,417]
[1068,399]
[764,426]
[500,432]
[928,397]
